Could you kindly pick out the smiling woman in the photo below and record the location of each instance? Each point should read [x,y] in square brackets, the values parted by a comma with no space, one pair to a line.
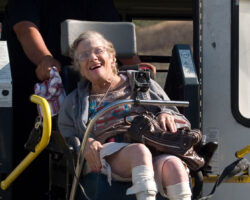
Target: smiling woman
[108,147]
[89,37]
[95,58]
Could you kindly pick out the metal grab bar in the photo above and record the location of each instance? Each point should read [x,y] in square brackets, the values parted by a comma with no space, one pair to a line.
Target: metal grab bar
[94,118]
[39,147]
[244,178]
[241,153]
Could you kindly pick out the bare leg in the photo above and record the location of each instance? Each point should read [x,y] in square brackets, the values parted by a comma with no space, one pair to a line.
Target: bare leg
[176,180]
[174,172]
[135,160]
[123,161]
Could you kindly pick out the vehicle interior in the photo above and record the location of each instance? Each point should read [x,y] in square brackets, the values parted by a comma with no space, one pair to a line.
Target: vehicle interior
[178,73]
[149,12]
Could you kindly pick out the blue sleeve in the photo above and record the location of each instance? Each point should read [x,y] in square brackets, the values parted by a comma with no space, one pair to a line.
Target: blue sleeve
[66,120]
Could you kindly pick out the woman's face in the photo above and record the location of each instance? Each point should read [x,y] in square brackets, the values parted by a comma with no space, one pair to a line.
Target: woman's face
[96,63]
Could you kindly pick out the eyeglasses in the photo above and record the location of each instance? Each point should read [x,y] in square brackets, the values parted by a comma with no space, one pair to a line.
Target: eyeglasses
[82,56]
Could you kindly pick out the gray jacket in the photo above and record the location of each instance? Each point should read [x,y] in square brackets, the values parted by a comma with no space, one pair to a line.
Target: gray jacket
[74,112]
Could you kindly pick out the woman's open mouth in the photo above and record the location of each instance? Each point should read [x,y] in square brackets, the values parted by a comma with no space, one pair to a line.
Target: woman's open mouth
[95,67]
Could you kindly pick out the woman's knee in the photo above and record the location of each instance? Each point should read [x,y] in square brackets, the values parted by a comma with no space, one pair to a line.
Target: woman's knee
[139,149]
[130,156]
[139,153]
[174,171]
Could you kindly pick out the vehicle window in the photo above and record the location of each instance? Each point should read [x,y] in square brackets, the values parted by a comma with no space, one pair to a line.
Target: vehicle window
[158,37]
[244,58]
[241,61]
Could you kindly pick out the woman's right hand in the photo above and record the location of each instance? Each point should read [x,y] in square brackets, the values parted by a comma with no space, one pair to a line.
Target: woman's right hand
[92,155]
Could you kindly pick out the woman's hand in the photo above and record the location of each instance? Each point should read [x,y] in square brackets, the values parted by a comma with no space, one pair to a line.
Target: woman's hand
[92,155]
[168,122]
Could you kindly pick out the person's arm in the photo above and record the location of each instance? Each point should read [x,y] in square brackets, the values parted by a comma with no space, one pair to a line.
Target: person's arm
[35,48]
[69,129]
[130,61]
[135,60]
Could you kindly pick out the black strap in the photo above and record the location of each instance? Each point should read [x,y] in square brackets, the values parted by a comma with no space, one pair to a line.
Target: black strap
[198,186]
[35,135]
[234,168]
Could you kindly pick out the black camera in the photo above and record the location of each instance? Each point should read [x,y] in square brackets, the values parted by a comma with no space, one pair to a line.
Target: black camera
[140,81]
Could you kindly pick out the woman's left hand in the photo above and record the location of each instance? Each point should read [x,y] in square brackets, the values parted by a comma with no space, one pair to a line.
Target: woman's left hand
[168,122]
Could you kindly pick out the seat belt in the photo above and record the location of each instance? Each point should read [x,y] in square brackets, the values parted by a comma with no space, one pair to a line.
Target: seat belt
[231,170]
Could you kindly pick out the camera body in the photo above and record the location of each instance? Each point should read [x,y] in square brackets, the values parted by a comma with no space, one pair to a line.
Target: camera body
[140,81]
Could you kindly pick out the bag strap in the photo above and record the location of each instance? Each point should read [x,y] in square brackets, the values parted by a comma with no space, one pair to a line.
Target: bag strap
[234,168]
[35,135]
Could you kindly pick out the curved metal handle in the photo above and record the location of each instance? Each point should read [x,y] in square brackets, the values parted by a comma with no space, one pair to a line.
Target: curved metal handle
[39,147]
[241,153]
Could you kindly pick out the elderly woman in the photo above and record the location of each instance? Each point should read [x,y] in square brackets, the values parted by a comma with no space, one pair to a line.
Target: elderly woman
[107,151]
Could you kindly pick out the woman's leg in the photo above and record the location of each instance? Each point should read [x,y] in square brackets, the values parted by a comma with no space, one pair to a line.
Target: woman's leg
[123,161]
[175,179]
[135,160]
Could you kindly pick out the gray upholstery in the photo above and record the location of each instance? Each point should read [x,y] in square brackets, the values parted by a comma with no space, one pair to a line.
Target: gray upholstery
[121,34]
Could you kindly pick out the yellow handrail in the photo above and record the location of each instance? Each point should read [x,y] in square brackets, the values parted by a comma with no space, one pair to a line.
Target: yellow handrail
[245,178]
[39,147]
[241,153]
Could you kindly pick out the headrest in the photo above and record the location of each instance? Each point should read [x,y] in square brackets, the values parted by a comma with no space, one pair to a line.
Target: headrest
[121,34]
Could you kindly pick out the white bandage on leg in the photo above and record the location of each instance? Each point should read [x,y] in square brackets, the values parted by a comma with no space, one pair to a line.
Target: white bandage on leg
[179,191]
[144,185]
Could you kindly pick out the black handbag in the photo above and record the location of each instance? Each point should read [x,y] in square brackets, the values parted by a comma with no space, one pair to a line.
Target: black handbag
[146,129]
